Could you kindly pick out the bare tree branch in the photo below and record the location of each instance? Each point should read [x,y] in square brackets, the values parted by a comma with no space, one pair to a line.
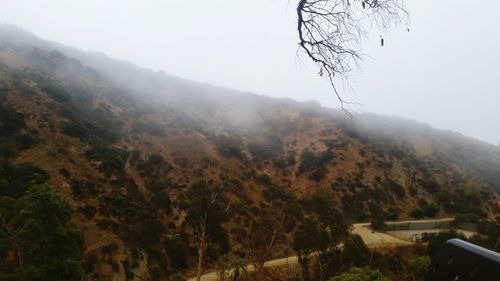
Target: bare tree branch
[330,33]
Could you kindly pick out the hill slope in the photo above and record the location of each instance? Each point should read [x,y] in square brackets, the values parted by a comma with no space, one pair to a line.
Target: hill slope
[125,146]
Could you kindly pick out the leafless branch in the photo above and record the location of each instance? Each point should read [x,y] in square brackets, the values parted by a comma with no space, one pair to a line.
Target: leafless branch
[330,33]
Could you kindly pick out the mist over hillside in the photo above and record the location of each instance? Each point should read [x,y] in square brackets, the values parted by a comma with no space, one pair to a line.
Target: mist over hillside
[135,152]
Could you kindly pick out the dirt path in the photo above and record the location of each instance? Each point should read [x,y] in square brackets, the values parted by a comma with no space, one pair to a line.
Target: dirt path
[372,239]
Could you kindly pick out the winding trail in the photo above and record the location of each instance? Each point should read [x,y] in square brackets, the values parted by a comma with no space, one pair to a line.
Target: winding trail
[372,239]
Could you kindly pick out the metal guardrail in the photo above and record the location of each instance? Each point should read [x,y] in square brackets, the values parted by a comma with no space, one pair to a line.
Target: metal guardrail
[460,261]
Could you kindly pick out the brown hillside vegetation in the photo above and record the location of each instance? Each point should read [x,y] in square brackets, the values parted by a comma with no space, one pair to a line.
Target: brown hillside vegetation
[129,147]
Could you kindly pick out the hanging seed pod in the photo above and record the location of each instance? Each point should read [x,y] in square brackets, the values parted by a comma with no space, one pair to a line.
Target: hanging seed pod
[382,42]
[363,4]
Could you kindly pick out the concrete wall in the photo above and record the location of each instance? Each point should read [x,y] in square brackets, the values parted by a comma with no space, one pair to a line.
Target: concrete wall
[420,225]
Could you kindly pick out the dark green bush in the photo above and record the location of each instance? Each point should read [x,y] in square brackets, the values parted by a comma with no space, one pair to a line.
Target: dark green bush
[152,164]
[161,200]
[417,213]
[266,150]
[378,223]
[11,121]
[228,147]
[177,251]
[431,186]
[112,159]
[318,174]
[430,210]
[56,91]
[396,188]
[150,127]
[91,123]
[16,179]
[263,178]
[273,192]
[467,218]
[309,161]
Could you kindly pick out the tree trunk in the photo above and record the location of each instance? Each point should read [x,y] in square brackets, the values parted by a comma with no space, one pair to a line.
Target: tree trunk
[201,254]
[236,275]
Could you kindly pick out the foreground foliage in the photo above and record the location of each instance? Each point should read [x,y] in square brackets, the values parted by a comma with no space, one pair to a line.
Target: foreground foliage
[361,274]
[37,240]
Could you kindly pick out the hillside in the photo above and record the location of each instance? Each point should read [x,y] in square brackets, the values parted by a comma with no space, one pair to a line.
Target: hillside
[132,149]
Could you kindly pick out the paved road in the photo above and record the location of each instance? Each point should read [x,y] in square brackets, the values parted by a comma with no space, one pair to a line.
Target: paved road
[372,239]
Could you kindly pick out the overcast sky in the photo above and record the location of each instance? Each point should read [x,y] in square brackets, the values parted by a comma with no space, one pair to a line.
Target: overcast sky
[444,72]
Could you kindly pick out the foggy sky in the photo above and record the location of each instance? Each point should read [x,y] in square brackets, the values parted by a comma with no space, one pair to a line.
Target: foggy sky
[444,72]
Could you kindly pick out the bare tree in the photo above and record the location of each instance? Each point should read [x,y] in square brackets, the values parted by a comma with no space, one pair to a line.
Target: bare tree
[330,32]
[200,240]
[261,240]
[5,227]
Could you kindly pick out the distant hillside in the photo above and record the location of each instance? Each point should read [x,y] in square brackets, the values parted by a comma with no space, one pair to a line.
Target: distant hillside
[126,147]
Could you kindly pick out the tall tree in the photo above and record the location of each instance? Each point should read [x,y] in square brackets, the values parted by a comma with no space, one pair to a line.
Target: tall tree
[38,231]
[206,211]
[331,234]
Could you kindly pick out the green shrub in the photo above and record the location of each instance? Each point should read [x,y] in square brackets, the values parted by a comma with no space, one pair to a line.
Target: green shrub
[467,218]
[430,210]
[12,137]
[177,251]
[396,188]
[318,174]
[419,266]
[152,164]
[161,200]
[273,192]
[392,214]
[56,91]
[431,186]
[266,150]
[91,123]
[112,159]
[291,158]
[263,178]
[150,127]
[16,179]
[378,223]
[176,277]
[76,130]
[11,121]
[417,213]
[309,161]
[361,274]
[228,147]
[355,251]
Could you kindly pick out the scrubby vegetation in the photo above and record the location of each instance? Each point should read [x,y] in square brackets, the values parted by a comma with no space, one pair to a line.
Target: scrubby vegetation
[186,174]
[13,134]
[361,274]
